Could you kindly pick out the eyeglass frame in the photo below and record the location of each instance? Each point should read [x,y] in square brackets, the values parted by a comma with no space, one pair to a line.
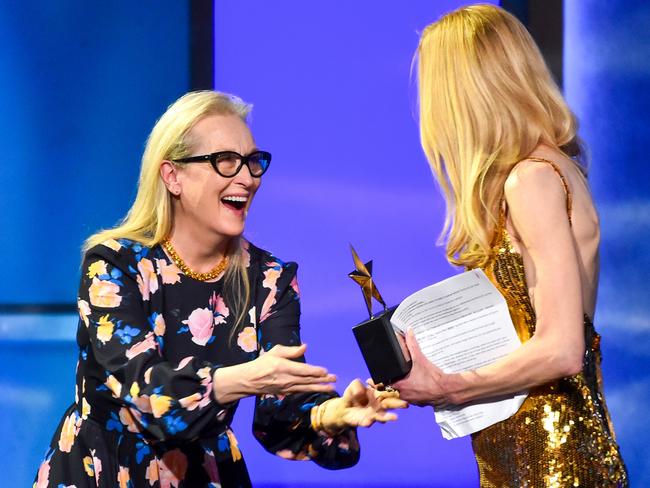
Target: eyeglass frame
[212,159]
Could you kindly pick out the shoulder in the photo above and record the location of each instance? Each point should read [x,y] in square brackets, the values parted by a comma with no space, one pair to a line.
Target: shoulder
[264,260]
[535,187]
[533,176]
[124,254]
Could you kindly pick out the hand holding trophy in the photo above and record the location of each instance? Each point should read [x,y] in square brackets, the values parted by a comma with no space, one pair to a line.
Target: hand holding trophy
[376,337]
[360,405]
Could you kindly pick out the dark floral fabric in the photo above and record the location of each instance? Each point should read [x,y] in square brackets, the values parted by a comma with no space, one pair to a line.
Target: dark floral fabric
[150,339]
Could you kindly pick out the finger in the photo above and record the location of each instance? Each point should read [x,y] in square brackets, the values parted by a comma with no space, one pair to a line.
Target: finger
[381,394]
[393,403]
[355,393]
[385,417]
[289,352]
[412,344]
[371,383]
[366,422]
[309,388]
[305,369]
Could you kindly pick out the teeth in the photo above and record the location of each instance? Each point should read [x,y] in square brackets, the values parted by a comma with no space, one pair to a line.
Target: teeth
[235,199]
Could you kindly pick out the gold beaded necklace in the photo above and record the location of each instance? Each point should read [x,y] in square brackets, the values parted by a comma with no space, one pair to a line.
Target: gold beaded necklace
[178,261]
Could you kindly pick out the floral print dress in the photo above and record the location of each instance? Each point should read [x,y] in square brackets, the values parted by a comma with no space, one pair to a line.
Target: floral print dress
[150,339]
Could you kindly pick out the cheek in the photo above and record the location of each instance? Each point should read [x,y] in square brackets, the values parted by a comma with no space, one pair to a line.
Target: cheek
[255,187]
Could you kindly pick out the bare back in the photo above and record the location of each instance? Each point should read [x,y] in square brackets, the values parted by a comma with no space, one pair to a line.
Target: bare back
[585,227]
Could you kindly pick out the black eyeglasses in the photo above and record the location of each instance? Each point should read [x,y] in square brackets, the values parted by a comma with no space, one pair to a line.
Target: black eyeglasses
[229,163]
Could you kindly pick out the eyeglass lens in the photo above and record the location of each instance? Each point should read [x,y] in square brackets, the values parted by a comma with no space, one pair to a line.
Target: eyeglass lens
[228,163]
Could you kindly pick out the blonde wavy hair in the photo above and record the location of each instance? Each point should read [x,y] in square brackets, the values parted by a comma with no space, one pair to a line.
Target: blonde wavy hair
[487,99]
[149,220]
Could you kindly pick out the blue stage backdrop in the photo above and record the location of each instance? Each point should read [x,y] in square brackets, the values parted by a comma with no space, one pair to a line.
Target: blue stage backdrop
[335,105]
[81,87]
[607,82]
[82,83]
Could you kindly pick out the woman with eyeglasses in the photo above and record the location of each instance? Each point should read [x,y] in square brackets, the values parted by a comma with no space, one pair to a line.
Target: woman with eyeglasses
[181,317]
[502,144]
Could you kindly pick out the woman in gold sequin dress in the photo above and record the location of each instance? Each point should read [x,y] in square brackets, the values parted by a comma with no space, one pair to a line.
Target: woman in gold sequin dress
[502,144]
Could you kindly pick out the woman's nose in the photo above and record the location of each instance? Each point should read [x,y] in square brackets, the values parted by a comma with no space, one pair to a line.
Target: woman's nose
[244,176]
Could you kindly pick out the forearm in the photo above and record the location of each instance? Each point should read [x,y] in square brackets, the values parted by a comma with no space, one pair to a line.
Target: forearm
[536,362]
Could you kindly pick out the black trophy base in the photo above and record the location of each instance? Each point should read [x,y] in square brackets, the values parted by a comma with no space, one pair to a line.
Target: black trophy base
[380,348]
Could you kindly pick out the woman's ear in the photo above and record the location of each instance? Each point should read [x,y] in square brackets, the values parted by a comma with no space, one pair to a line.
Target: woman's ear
[169,175]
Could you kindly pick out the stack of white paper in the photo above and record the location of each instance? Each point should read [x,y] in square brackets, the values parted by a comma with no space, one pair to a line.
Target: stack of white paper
[463,323]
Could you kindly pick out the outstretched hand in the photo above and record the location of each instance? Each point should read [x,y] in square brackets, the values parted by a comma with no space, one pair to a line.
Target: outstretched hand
[424,385]
[360,406]
[276,372]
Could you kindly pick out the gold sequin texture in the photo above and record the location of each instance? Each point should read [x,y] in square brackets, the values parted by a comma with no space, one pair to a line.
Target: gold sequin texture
[562,435]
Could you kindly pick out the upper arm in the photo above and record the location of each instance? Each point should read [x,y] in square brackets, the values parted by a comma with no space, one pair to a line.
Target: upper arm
[537,206]
[279,305]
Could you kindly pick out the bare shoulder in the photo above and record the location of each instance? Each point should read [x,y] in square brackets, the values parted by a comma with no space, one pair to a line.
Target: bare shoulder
[534,185]
[532,176]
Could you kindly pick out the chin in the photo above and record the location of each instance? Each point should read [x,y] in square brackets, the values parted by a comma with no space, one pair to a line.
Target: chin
[230,231]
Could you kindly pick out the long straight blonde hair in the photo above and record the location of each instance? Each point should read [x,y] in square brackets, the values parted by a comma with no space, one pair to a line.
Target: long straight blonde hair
[487,99]
[149,220]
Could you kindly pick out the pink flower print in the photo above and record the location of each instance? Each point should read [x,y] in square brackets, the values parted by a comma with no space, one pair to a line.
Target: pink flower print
[147,279]
[142,404]
[159,325]
[294,285]
[112,244]
[199,400]
[184,362]
[43,478]
[114,385]
[149,342]
[219,306]
[84,310]
[147,375]
[104,293]
[97,466]
[201,325]
[128,419]
[190,402]
[285,454]
[206,380]
[169,273]
[247,339]
[210,467]
[271,276]
[123,477]
[69,432]
[152,472]
[172,468]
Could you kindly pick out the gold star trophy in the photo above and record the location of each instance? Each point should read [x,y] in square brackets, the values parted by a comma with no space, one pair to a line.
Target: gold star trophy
[376,337]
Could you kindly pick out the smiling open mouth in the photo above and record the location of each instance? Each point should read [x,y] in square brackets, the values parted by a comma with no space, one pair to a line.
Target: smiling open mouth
[235,203]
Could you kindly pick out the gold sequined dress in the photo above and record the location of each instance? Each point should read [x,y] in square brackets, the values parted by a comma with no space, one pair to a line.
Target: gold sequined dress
[562,435]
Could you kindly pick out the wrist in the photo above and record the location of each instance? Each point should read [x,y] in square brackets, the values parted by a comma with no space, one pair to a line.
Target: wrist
[230,384]
[453,388]
[327,417]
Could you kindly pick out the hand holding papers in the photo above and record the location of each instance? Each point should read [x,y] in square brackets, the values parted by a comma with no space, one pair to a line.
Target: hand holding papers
[461,324]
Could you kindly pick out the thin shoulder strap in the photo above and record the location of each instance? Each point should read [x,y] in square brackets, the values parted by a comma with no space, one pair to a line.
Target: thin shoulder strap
[503,207]
[556,168]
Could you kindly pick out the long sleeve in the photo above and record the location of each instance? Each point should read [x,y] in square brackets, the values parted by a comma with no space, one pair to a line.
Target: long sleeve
[282,424]
[123,339]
